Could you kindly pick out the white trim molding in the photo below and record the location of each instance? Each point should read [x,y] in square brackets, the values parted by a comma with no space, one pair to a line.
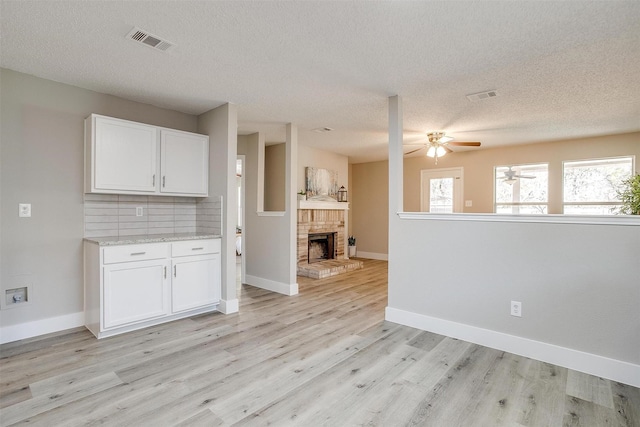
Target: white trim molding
[372,255]
[272,285]
[616,370]
[629,220]
[319,204]
[270,213]
[229,306]
[36,328]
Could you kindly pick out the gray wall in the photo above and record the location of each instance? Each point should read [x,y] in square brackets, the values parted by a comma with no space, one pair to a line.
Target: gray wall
[267,248]
[42,164]
[221,124]
[578,283]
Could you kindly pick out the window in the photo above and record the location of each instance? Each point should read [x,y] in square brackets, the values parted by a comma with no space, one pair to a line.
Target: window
[590,186]
[522,189]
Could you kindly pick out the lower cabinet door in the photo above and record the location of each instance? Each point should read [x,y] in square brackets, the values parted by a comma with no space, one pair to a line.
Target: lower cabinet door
[195,282]
[135,292]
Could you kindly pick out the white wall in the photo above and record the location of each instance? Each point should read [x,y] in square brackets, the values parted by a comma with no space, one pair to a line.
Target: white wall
[578,284]
[42,144]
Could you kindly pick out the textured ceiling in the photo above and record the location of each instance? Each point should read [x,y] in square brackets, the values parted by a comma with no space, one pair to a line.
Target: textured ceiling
[562,69]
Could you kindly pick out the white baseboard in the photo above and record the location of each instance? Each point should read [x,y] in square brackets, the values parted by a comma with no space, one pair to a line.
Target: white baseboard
[272,285]
[228,306]
[616,370]
[372,255]
[26,330]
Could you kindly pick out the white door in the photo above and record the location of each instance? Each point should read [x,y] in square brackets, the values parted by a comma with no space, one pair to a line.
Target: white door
[135,292]
[441,190]
[184,163]
[125,155]
[196,282]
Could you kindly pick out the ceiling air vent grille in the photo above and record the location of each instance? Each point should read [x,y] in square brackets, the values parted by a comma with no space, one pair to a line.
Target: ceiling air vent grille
[150,40]
[322,130]
[482,95]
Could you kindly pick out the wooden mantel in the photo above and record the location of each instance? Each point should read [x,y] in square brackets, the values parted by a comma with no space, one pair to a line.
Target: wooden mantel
[314,204]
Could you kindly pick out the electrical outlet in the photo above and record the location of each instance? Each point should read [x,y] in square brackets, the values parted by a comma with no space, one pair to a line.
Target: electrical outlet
[468,203]
[139,211]
[24,210]
[516,308]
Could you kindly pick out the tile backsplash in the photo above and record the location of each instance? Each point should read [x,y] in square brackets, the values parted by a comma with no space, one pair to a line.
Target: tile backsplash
[111,215]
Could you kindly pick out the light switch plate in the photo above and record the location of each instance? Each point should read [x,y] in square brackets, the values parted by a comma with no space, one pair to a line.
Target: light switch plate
[24,210]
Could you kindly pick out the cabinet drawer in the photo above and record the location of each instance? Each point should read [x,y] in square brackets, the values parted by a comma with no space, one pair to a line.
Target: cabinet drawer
[127,253]
[195,247]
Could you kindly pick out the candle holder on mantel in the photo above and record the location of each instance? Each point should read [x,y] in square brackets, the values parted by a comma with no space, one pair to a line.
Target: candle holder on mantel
[342,194]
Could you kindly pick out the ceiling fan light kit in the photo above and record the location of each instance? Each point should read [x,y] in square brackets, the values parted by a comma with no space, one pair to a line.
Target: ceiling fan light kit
[436,151]
[438,145]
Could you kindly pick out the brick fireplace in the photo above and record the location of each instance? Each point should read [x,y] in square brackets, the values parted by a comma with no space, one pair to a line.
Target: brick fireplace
[320,221]
[325,220]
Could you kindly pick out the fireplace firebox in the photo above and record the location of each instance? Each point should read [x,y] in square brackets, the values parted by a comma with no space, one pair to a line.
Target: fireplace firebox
[322,247]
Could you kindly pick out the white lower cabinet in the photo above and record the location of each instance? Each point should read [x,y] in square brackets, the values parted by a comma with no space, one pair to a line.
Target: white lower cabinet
[135,291]
[189,273]
[130,287]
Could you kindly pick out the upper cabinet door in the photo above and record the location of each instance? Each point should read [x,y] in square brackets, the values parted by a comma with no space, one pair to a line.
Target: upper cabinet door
[184,163]
[125,156]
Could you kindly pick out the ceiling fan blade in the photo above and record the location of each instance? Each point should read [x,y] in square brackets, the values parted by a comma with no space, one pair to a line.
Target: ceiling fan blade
[464,144]
[413,151]
[524,176]
[447,149]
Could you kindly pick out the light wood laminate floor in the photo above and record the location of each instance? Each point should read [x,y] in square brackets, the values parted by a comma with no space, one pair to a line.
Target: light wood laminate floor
[325,357]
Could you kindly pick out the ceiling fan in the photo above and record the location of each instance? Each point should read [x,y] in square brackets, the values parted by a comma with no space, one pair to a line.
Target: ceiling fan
[439,143]
[511,176]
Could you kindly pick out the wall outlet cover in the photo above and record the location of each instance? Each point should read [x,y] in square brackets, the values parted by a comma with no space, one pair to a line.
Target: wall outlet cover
[24,210]
[516,308]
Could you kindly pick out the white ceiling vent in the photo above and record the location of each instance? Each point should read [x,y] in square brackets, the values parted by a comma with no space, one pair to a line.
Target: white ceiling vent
[150,40]
[482,95]
[322,130]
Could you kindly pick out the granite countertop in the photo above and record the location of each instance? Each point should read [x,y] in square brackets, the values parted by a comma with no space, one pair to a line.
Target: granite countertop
[150,238]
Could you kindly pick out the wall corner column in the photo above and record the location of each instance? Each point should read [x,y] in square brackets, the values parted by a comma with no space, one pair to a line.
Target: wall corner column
[291,205]
[396,194]
[221,124]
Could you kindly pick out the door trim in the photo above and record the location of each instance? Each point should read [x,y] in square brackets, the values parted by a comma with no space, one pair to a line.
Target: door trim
[458,192]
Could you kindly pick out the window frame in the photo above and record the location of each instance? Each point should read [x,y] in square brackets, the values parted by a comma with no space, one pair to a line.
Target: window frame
[592,203]
[495,190]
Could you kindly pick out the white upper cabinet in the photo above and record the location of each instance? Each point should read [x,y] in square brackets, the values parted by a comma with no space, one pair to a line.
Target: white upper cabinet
[184,162]
[124,157]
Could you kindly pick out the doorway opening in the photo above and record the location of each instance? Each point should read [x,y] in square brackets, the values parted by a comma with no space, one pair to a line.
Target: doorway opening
[240,231]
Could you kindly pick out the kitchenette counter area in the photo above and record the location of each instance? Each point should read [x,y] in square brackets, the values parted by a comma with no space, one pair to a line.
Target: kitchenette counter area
[149,238]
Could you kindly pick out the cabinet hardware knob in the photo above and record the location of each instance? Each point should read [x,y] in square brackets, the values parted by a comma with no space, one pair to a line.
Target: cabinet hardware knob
[165,272]
[154,180]
[197,249]
[174,271]
[163,181]
[138,253]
